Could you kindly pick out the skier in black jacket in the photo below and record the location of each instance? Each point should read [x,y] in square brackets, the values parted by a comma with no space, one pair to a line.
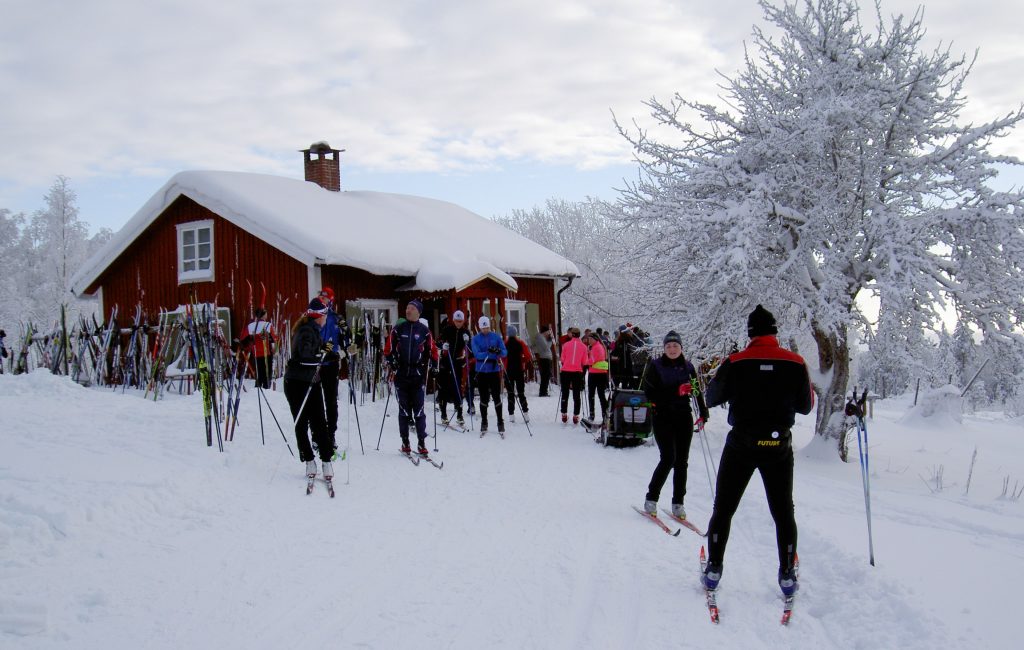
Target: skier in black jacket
[765,386]
[409,351]
[302,378]
[668,383]
[454,341]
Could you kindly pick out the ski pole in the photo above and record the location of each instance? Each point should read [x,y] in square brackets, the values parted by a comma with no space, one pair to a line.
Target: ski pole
[274,415]
[316,377]
[425,383]
[259,403]
[352,398]
[865,472]
[518,397]
[386,402]
[456,379]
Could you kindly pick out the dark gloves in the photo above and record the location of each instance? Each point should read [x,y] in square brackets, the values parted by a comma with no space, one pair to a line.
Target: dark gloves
[327,347]
[493,349]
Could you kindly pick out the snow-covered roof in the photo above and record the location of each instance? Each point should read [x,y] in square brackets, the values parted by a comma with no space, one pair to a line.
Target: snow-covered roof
[443,245]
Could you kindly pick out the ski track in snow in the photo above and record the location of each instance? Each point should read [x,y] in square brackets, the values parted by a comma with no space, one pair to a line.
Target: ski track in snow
[119,526]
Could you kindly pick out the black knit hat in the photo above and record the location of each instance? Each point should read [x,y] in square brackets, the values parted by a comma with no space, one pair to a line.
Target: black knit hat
[672,337]
[761,322]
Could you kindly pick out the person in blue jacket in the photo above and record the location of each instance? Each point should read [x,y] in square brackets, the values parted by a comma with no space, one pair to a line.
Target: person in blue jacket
[335,331]
[489,350]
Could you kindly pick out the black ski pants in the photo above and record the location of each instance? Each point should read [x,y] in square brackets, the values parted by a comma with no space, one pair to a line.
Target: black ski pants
[673,432]
[449,381]
[734,472]
[545,375]
[329,379]
[489,384]
[516,383]
[571,382]
[411,396]
[311,418]
[264,370]
[598,382]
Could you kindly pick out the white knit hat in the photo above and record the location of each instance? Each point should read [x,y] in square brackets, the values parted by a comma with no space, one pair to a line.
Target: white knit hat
[484,322]
[458,315]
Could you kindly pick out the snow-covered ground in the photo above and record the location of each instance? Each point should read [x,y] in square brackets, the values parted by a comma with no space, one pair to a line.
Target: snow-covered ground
[119,528]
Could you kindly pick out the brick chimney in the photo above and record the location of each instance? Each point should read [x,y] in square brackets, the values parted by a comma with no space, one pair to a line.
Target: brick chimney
[323,166]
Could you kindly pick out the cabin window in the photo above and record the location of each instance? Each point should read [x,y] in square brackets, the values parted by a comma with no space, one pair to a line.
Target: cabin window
[515,313]
[195,251]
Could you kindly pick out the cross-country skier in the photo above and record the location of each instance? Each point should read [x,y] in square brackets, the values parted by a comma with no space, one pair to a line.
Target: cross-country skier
[335,331]
[574,357]
[302,387]
[543,353]
[489,350]
[598,379]
[409,350]
[454,348]
[3,350]
[765,386]
[668,383]
[519,361]
[259,337]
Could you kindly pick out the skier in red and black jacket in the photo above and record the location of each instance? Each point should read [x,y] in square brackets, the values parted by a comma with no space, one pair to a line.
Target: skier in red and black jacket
[765,386]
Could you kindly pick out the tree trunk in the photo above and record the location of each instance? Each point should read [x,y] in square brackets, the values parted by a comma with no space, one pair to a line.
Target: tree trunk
[834,358]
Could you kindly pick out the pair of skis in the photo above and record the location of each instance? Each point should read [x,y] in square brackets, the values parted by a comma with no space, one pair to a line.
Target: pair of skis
[711,595]
[311,483]
[416,459]
[685,523]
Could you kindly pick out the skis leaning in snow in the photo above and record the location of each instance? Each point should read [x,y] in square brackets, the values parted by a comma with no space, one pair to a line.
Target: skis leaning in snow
[684,522]
[710,595]
[658,521]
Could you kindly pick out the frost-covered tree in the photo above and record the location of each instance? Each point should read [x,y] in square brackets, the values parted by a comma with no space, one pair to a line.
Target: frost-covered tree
[585,233]
[13,302]
[49,248]
[898,354]
[837,168]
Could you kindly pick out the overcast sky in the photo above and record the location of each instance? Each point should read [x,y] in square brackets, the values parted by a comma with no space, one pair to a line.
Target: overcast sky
[493,105]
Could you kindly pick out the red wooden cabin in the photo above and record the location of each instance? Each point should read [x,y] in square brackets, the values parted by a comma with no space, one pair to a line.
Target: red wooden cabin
[215,233]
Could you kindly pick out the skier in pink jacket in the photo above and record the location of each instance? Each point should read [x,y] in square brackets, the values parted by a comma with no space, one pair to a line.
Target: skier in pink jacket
[574,356]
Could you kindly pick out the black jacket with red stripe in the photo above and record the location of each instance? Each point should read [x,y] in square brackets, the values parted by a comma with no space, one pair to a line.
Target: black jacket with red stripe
[765,386]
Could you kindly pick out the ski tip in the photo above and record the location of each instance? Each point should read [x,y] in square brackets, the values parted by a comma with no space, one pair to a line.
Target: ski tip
[676,534]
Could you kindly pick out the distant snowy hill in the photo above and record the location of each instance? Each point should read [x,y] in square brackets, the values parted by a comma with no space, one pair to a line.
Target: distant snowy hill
[119,528]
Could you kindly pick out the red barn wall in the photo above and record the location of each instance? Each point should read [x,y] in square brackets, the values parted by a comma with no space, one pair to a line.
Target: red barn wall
[350,283]
[540,291]
[148,270]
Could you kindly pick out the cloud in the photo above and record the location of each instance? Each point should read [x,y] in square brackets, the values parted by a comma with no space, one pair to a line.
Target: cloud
[108,88]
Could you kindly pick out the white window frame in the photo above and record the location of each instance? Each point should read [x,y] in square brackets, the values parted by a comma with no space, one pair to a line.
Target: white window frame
[197,274]
[517,307]
[375,307]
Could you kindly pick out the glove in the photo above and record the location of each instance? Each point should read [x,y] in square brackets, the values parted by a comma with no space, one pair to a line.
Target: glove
[685,389]
[445,347]
[493,349]
[327,347]
[698,423]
